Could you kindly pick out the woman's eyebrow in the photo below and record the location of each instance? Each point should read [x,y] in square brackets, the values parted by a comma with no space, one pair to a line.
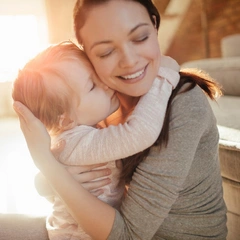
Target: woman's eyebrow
[130,32]
[135,28]
[100,42]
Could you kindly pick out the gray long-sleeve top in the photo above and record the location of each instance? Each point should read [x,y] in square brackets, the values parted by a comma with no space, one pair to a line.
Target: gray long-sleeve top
[176,192]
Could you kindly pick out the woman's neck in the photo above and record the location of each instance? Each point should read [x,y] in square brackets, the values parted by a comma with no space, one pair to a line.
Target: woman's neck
[127,104]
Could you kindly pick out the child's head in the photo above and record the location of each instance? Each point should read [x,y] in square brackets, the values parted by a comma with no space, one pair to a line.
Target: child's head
[61,88]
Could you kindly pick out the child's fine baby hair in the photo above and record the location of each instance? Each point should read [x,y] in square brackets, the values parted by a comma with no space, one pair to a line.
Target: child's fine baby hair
[42,87]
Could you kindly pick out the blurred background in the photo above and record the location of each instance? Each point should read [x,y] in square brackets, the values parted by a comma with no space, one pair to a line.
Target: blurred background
[189,30]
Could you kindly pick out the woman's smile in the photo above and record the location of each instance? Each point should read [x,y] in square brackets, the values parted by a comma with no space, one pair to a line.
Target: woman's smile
[134,77]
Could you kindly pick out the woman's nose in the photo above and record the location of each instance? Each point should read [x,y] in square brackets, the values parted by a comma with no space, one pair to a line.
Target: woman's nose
[129,57]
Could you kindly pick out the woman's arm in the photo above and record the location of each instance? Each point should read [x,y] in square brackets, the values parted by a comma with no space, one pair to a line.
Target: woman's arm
[81,202]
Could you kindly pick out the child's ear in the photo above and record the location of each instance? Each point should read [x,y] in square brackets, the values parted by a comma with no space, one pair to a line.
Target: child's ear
[65,122]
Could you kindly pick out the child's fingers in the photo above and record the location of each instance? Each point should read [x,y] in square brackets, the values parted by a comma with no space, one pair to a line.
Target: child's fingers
[169,62]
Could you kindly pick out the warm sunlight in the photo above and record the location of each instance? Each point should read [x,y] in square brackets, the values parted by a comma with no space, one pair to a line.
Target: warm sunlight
[17,171]
[20,42]
[23,38]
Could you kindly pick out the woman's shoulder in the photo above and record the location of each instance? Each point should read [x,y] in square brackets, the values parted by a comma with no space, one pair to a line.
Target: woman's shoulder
[192,104]
[195,98]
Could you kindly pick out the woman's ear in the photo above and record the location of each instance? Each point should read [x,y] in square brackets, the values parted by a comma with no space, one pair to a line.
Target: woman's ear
[65,122]
[155,21]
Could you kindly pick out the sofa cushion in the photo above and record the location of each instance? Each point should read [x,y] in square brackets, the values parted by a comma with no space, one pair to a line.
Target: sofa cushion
[22,227]
[226,71]
[227,112]
[230,46]
[230,165]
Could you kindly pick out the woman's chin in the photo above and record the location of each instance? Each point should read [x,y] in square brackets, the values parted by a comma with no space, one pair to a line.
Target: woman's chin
[139,91]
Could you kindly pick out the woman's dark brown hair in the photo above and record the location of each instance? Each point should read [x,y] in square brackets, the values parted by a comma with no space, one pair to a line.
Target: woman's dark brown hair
[192,76]
[82,6]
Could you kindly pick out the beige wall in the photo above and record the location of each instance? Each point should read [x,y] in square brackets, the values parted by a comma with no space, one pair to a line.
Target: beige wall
[223,18]
[60,20]
[12,7]
[6,109]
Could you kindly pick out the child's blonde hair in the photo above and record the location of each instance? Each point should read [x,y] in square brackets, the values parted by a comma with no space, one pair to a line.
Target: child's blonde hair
[36,82]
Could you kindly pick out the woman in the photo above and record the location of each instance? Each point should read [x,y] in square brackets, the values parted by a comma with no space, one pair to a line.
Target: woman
[175,192]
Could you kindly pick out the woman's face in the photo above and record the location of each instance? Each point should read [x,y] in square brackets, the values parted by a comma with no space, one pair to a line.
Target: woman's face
[121,42]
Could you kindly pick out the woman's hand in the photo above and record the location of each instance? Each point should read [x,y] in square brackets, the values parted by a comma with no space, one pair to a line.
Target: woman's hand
[35,133]
[91,177]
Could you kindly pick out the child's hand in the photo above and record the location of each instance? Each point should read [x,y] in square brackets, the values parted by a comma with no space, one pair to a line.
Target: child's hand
[35,133]
[169,70]
[169,62]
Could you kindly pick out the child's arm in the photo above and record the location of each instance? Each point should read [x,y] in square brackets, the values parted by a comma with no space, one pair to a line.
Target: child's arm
[139,132]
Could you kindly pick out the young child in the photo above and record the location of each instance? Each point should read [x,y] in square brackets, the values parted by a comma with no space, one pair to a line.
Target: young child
[62,89]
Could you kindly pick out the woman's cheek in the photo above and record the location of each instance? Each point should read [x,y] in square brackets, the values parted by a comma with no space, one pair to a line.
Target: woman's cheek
[154,51]
[98,65]
[157,56]
[104,70]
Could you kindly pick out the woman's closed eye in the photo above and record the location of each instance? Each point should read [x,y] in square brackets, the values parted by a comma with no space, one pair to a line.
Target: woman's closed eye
[106,54]
[141,39]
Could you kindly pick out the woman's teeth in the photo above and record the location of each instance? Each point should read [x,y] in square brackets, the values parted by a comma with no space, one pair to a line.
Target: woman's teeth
[135,75]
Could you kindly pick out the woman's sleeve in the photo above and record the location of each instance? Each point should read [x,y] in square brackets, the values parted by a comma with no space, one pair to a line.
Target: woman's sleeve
[123,140]
[159,178]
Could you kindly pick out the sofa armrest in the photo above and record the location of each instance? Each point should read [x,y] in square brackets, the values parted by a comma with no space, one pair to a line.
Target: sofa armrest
[226,71]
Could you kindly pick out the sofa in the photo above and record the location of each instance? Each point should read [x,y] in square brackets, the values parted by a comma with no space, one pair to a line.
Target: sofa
[226,70]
